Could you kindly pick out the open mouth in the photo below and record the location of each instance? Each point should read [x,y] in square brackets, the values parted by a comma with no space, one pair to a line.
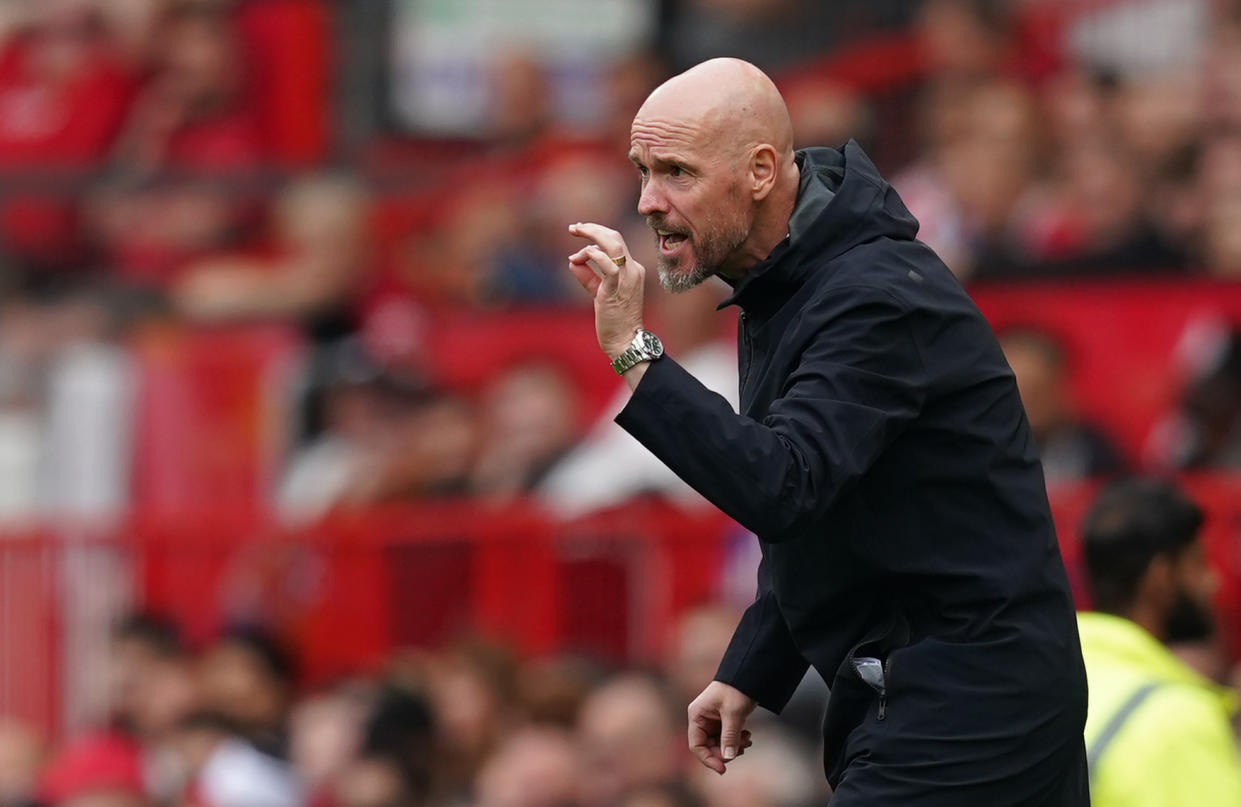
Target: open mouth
[670,242]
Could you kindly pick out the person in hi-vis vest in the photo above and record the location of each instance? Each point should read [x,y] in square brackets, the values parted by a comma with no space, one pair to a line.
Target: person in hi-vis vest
[1157,732]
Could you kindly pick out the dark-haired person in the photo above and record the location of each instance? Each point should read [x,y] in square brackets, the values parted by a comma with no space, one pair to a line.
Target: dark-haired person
[248,678]
[1070,447]
[1157,733]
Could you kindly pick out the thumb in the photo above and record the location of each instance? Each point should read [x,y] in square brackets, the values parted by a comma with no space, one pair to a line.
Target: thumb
[730,732]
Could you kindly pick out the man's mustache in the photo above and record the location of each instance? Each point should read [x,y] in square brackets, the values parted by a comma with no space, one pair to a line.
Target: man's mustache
[656,222]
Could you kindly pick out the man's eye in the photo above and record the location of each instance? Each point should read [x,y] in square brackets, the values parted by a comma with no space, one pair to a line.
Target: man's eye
[676,171]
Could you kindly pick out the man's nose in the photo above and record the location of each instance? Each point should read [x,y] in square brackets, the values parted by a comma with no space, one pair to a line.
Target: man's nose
[651,201]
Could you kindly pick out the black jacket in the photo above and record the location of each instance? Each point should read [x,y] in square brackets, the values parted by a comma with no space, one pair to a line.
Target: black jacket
[884,461]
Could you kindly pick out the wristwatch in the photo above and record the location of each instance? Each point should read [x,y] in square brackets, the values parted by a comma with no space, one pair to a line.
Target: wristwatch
[644,347]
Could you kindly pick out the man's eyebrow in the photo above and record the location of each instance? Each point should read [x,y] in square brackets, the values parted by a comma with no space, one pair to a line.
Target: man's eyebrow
[671,159]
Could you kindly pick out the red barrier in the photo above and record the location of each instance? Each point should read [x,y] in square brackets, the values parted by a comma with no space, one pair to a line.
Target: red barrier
[349,591]
[1122,338]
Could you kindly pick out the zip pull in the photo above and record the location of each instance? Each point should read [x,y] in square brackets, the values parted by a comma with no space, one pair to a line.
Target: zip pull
[873,673]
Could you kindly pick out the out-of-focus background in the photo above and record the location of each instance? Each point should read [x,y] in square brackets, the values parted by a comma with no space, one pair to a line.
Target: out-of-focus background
[309,493]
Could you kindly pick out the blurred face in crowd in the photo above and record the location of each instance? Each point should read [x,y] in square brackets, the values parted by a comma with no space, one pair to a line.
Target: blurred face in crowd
[701,639]
[534,768]
[105,799]
[200,61]
[1040,381]
[237,684]
[372,782]
[1189,613]
[628,738]
[325,732]
[169,691]
[21,753]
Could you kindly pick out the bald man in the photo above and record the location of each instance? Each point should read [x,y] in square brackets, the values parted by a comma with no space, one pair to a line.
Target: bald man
[881,456]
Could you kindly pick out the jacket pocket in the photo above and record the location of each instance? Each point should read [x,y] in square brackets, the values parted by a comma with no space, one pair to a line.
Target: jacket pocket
[874,673]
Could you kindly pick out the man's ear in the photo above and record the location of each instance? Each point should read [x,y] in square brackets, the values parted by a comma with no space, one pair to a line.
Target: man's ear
[763,168]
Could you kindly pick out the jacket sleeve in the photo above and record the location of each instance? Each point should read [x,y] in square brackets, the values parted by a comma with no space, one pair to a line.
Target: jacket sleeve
[858,382]
[761,660]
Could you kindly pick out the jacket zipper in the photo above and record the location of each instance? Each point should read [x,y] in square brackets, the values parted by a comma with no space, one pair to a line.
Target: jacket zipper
[882,713]
[748,348]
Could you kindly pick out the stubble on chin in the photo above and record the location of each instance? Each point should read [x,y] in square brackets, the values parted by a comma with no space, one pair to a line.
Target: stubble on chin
[677,281]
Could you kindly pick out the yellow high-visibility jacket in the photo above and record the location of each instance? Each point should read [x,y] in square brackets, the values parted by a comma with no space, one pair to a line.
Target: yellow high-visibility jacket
[1157,733]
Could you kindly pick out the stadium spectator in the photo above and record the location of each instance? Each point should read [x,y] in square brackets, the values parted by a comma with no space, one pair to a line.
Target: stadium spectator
[379,434]
[552,689]
[629,80]
[151,689]
[471,687]
[400,732]
[160,165]
[966,189]
[519,107]
[188,129]
[535,767]
[525,270]
[446,264]
[102,771]
[824,111]
[325,735]
[630,731]
[529,419]
[776,34]
[1219,189]
[317,260]
[63,97]
[1205,430]
[21,756]
[698,643]
[963,40]
[224,770]
[191,114]
[1069,447]
[374,780]
[1157,732]
[778,771]
[247,679]
[669,794]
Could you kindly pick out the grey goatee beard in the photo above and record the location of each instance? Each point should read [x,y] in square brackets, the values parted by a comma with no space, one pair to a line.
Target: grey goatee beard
[716,243]
[677,282]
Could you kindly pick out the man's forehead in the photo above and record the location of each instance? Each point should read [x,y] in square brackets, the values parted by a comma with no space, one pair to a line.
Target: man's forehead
[663,136]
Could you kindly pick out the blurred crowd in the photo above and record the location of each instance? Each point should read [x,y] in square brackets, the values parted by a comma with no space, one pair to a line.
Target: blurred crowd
[226,726]
[173,165]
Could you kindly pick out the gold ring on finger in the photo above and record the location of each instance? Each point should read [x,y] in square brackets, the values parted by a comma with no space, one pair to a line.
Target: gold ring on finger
[619,261]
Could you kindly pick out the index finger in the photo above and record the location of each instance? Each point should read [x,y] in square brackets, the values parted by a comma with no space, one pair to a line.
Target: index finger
[707,753]
[609,240]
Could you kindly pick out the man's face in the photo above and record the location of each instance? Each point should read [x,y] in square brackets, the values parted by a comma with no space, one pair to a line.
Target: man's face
[692,198]
[1190,616]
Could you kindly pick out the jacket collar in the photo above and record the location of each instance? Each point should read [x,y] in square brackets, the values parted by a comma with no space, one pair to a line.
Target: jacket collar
[780,270]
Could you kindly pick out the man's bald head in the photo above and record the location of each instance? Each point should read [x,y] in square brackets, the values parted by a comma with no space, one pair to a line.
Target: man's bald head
[714,146]
[735,104]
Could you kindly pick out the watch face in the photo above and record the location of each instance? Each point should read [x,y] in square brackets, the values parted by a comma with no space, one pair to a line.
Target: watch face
[651,344]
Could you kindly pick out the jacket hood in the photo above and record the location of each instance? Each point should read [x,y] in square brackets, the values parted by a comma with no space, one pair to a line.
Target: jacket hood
[842,201]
